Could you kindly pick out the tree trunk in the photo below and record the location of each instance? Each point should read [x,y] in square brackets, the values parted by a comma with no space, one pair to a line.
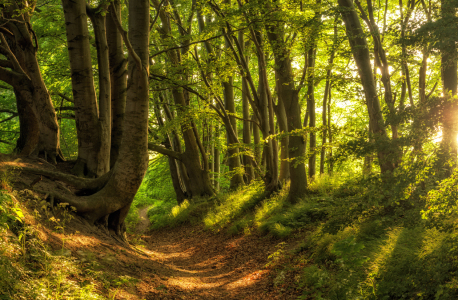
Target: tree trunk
[199,179]
[29,135]
[327,94]
[98,19]
[330,161]
[216,161]
[257,143]
[86,114]
[311,109]
[449,79]
[118,78]
[232,150]
[284,142]
[361,55]
[249,172]
[271,161]
[29,86]
[289,95]
[111,203]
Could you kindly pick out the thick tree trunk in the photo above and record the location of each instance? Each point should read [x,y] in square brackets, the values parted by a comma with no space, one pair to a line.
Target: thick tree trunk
[118,77]
[21,54]
[86,114]
[361,55]
[28,126]
[111,203]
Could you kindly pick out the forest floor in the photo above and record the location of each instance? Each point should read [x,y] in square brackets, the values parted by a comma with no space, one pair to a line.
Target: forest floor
[185,262]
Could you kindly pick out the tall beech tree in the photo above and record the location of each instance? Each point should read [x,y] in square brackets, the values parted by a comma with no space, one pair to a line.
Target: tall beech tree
[39,131]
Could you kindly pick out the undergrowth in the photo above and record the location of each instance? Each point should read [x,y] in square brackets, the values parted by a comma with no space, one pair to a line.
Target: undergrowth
[30,269]
[363,237]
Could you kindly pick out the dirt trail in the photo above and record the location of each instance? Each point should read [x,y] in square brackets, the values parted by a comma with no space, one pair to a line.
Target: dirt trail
[181,263]
[173,263]
[144,222]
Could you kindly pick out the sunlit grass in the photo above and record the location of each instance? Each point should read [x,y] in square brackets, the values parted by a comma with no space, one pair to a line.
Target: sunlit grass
[232,205]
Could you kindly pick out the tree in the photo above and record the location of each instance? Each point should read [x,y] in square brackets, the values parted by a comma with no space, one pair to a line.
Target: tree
[20,69]
[111,195]
[360,52]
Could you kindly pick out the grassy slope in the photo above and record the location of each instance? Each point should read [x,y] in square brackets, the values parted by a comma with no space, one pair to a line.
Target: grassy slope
[351,249]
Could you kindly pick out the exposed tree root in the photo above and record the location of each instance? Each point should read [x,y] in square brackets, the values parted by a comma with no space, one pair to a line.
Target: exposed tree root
[85,185]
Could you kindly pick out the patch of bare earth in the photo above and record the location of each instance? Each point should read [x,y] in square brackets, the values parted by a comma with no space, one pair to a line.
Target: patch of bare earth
[173,263]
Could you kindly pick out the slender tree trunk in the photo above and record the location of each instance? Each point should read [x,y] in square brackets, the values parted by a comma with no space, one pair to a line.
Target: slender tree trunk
[284,142]
[249,172]
[361,55]
[330,162]
[217,161]
[98,19]
[265,109]
[118,78]
[327,94]
[311,109]
[449,79]
[324,117]
[257,143]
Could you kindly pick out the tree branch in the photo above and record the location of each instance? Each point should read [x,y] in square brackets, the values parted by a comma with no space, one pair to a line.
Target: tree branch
[9,118]
[126,40]
[165,151]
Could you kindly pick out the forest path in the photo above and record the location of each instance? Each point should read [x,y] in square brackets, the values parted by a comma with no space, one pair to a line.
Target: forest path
[196,264]
[144,222]
[185,262]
